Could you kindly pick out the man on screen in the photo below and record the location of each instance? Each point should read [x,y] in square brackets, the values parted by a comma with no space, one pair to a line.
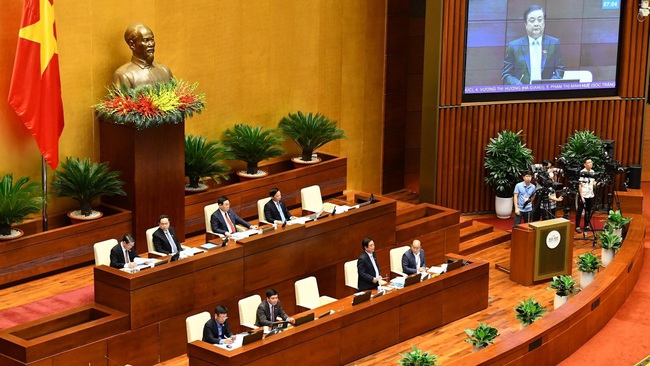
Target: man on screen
[535,56]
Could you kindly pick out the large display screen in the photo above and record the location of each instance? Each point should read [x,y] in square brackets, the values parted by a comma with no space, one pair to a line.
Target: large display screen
[541,49]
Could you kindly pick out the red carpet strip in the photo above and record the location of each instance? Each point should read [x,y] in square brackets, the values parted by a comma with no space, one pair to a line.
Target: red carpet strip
[48,306]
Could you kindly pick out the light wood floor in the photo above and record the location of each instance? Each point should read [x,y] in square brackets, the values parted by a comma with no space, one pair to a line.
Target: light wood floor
[447,342]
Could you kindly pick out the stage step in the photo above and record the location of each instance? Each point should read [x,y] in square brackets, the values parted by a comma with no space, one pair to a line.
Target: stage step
[465,221]
[483,242]
[475,230]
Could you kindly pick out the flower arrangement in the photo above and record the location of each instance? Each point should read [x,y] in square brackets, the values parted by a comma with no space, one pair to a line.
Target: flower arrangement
[151,106]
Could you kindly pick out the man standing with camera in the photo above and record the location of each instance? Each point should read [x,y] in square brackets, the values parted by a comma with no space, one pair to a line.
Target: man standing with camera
[523,196]
[586,185]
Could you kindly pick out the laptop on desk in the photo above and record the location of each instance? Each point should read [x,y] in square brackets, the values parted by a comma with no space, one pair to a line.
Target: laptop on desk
[412,279]
[361,297]
[249,338]
[304,319]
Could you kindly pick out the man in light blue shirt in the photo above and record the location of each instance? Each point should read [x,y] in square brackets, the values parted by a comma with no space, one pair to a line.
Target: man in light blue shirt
[523,197]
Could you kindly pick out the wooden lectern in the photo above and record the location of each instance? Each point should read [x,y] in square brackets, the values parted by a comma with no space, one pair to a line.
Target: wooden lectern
[540,250]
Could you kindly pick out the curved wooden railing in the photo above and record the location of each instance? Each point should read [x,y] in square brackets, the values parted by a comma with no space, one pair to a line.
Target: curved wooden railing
[557,335]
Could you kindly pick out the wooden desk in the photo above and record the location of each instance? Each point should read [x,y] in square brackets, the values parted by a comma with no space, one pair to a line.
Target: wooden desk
[230,272]
[353,332]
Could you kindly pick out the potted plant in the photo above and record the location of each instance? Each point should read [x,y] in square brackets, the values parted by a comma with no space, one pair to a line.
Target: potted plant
[528,311]
[616,221]
[309,132]
[86,182]
[204,159]
[564,286]
[610,242]
[17,201]
[587,265]
[506,158]
[580,146]
[418,358]
[481,336]
[252,145]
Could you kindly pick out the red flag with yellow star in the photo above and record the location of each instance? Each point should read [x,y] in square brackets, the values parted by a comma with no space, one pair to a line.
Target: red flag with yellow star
[35,91]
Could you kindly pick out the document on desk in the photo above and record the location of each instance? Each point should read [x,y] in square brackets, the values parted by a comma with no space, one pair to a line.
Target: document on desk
[341,208]
[244,234]
[191,251]
[234,345]
[298,221]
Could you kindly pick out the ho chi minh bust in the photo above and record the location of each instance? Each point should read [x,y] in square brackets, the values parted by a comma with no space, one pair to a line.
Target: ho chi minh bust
[141,70]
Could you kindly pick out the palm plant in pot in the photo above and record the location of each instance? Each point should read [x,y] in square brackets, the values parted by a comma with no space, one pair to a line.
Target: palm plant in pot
[564,286]
[481,336]
[17,201]
[580,146]
[418,358]
[528,311]
[85,182]
[506,158]
[616,221]
[610,242]
[587,265]
[309,132]
[204,158]
[252,145]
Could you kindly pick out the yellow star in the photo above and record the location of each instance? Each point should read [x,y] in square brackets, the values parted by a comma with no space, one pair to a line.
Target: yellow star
[42,32]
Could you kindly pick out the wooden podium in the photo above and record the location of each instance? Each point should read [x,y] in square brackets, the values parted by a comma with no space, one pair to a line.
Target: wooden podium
[540,250]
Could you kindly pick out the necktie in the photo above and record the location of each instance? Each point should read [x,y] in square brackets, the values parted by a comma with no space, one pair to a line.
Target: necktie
[126,256]
[172,244]
[374,265]
[280,211]
[272,313]
[231,227]
[417,261]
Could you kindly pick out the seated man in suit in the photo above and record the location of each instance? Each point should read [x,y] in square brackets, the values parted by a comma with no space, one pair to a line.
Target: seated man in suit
[121,255]
[413,259]
[367,266]
[276,209]
[270,311]
[224,219]
[217,330]
[164,239]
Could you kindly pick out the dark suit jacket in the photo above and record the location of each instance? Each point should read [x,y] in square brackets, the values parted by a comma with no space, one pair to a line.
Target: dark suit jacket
[271,211]
[367,272]
[263,317]
[408,262]
[211,331]
[516,66]
[117,256]
[161,244]
[220,226]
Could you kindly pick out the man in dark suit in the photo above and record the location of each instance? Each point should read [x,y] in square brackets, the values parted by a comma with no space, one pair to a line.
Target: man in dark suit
[270,310]
[164,239]
[122,255]
[224,220]
[413,259]
[217,330]
[535,56]
[367,266]
[276,209]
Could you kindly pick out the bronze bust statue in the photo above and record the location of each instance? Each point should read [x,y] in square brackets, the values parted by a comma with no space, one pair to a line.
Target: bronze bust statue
[141,70]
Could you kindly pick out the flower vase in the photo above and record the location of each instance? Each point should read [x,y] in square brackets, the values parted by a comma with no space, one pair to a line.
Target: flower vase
[606,256]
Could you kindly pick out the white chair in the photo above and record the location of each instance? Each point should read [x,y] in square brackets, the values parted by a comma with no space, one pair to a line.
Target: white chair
[194,326]
[260,210]
[584,76]
[248,310]
[396,260]
[103,251]
[150,247]
[312,200]
[351,274]
[307,294]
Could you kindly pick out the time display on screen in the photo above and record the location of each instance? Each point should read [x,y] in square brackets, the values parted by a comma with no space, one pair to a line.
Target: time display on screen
[611,4]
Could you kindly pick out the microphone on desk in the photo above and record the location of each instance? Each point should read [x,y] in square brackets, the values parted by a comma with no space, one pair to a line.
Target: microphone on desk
[333,210]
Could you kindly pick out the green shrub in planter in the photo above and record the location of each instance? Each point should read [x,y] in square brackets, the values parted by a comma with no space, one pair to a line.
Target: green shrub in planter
[418,358]
[481,336]
[528,311]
